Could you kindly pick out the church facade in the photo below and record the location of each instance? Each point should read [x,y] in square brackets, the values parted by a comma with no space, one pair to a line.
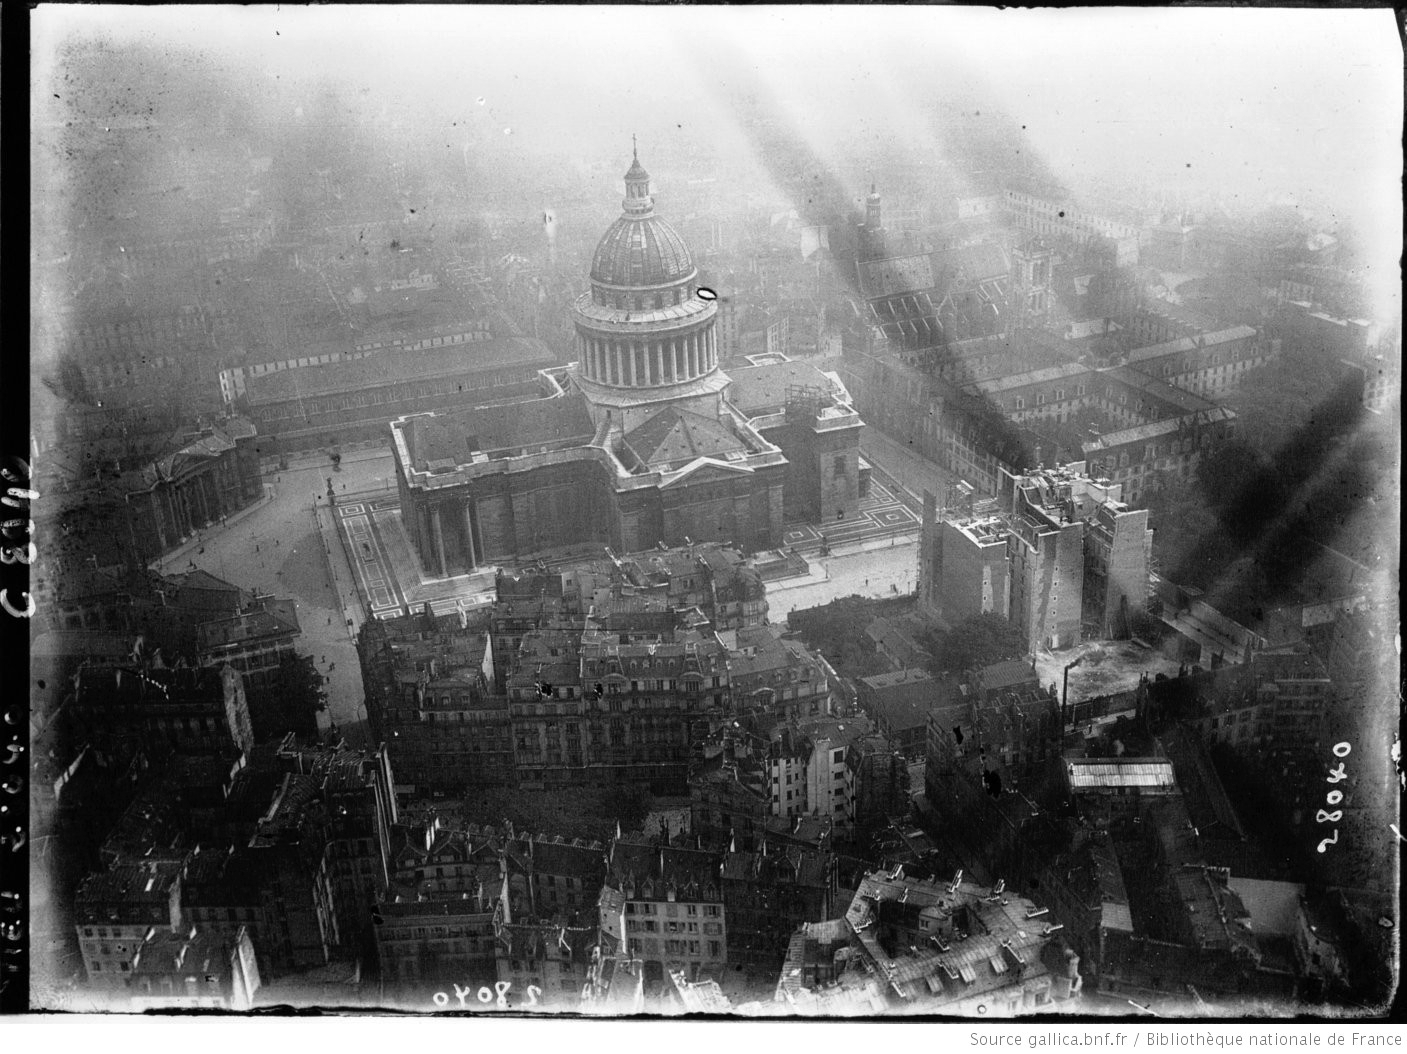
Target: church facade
[642,440]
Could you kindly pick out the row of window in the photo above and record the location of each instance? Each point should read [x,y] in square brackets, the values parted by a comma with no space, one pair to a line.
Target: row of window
[430,342]
[635,302]
[304,408]
[609,687]
[671,910]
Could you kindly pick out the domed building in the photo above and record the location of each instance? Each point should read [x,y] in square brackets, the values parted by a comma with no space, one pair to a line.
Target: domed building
[644,336]
[642,439]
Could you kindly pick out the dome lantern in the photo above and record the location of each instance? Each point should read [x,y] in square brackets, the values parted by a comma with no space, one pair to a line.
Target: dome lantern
[637,201]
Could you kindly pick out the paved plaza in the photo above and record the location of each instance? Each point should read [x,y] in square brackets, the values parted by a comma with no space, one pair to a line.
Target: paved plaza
[387,577]
[881,515]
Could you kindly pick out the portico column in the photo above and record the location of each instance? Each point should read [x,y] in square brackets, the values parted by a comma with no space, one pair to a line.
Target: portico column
[439,533]
[692,355]
[423,535]
[659,363]
[630,350]
[614,351]
[680,370]
[469,536]
[202,499]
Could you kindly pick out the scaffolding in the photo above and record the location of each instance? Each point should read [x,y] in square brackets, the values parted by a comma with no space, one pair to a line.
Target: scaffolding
[804,402]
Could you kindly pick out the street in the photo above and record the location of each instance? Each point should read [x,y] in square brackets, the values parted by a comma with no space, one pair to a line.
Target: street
[914,472]
[276,548]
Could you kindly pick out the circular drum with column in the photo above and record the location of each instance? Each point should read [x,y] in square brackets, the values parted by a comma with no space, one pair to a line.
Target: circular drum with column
[643,334]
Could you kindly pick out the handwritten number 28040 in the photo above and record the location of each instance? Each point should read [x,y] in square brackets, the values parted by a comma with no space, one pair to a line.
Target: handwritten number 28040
[498,995]
[1334,797]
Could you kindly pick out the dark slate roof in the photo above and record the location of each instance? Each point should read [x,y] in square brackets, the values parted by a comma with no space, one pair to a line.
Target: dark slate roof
[780,864]
[130,883]
[191,953]
[891,633]
[1187,402]
[933,271]
[198,450]
[1207,801]
[693,873]
[277,621]
[763,389]
[533,422]
[586,860]
[1008,674]
[389,367]
[908,712]
[681,435]
[199,579]
[904,707]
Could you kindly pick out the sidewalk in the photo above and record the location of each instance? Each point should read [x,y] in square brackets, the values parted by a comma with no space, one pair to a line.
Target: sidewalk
[302,462]
[343,578]
[913,471]
[164,563]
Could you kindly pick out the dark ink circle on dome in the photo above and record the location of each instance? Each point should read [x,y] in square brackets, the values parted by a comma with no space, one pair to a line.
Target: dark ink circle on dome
[705,293]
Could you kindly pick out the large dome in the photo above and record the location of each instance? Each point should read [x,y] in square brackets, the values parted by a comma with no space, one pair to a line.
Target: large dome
[641,251]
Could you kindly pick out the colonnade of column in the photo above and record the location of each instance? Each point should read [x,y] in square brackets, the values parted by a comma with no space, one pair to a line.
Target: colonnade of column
[640,363]
[433,525]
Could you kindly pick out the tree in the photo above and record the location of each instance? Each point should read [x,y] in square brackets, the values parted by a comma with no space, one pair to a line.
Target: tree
[290,702]
[836,631]
[1182,519]
[978,641]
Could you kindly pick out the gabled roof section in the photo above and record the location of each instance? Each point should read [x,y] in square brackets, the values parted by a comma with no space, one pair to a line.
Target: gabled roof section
[940,271]
[201,449]
[704,464]
[674,435]
[202,579]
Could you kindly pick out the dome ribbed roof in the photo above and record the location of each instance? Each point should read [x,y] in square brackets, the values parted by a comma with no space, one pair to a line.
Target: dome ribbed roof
[641,251]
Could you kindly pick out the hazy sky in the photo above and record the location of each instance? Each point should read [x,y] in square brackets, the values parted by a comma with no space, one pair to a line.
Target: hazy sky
[1240,103]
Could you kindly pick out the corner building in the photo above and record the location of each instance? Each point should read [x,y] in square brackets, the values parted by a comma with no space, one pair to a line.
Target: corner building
[633,444]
